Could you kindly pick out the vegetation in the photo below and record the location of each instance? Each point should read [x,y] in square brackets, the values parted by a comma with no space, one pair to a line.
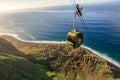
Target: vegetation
[33,61]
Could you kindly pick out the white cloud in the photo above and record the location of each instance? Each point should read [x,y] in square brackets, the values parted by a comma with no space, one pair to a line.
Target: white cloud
[20,4]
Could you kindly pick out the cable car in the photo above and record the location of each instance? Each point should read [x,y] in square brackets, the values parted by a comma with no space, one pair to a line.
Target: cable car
[74,37]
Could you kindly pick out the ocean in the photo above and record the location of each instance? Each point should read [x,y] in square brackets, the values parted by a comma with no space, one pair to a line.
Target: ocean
[101,30]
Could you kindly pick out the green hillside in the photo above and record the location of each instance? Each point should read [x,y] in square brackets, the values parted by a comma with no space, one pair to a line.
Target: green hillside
[15,65]
[40,61]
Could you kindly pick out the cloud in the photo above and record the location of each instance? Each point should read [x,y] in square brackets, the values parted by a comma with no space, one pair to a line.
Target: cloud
[22,4]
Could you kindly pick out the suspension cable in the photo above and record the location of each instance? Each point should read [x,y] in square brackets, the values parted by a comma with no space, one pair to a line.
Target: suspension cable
[73,4]
[74,9]
[80,17]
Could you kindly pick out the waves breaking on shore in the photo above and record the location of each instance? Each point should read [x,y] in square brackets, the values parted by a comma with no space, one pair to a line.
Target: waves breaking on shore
[102,55]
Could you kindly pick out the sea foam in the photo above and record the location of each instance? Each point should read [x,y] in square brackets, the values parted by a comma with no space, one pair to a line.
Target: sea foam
[102,55]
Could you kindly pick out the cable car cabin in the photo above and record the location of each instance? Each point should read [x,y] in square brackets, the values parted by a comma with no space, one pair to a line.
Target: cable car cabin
[74,39]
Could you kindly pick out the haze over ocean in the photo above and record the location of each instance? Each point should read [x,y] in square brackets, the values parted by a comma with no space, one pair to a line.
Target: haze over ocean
[101,32]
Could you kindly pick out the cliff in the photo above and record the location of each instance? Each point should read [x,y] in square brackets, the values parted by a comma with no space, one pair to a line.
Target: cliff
[42,61]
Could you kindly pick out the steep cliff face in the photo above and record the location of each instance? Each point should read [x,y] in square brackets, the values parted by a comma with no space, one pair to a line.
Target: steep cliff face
[59,62]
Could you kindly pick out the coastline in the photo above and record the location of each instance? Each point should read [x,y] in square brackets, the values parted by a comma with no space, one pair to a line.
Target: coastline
[62,58]
[101,55]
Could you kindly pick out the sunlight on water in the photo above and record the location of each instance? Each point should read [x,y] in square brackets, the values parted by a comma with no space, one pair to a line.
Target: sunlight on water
[101,30]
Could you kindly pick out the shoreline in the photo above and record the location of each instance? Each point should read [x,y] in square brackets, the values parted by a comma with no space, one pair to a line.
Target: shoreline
[103,56]
[107,58]
[52,58]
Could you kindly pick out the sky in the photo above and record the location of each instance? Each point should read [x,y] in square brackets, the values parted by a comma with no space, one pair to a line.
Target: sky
[23,4]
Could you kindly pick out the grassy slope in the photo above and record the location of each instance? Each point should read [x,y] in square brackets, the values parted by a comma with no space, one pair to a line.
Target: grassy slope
[58,62]
[15,65]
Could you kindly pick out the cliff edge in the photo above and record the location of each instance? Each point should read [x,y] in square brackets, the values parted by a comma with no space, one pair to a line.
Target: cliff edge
[56,61]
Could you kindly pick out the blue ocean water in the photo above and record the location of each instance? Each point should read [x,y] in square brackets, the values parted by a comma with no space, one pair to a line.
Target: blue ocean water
[101,30]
